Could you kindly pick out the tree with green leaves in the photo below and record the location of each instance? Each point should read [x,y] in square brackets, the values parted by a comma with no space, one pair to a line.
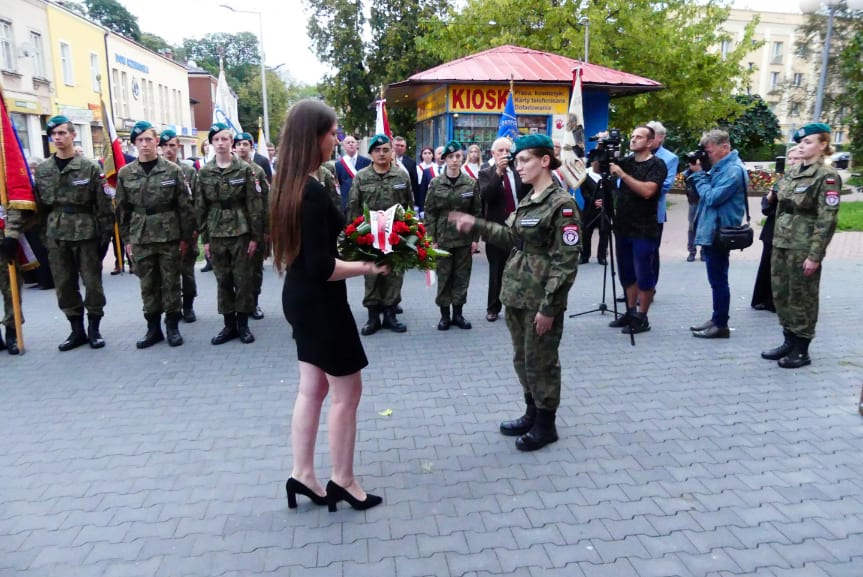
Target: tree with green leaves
[250,104]
[336,29]
[754,128]
[672,41]
[852,74]
[240,53]
[114,16]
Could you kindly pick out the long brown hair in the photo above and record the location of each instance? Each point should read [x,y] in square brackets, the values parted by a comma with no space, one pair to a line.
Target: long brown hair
[299,155]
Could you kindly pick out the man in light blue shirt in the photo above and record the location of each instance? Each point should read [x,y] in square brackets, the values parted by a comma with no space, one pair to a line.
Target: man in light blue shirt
[670,160]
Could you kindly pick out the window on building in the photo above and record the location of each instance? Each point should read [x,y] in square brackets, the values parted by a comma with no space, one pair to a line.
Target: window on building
[66,64]
[839,138]
[774,81]
[124,87]
[798,79]
[144,100]
[152,96]
[37,55]
[724,49]
[7,46]
[794,109]
[94,73]
[778,48]
[115,88]
[20,122]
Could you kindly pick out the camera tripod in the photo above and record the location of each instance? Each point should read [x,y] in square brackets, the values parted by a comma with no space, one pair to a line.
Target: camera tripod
[605,220]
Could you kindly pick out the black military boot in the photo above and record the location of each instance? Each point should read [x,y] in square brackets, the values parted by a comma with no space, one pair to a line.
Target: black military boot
[229,332]
[781,350]
[189,309]
[798,356]
[258,313]
[445,321]
[154,332]
[246,335]
[521,425]
[77,337]
[93,334]
[541,434]
[11,341]
[623,320]
[172,328]
[458,319]
[391,322]
[373,325]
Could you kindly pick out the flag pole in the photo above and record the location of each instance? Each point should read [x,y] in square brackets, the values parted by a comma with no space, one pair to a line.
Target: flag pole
[13,270]
[118,247]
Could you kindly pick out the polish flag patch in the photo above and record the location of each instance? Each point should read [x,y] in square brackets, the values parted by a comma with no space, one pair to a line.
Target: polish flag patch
[567,212]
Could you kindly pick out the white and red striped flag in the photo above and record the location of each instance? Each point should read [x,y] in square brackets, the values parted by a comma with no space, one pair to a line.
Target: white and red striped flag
[112,152]
[382,122]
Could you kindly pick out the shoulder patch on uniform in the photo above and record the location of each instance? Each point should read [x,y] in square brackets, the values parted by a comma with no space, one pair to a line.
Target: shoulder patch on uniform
[569,234]
[257,185]
[831,181]
[832,198]
[567,211]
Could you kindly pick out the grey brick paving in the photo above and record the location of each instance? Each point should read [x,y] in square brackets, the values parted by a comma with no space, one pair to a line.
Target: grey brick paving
[677,457]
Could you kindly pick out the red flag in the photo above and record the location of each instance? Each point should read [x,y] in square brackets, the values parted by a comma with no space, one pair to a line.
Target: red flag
[382,122]
[112,155]
[17,182]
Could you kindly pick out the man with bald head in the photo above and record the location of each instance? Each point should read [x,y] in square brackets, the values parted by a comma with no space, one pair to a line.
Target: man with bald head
[347,167]
[501,190]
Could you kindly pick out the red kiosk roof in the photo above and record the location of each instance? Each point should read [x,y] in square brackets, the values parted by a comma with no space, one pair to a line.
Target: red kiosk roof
[523,65]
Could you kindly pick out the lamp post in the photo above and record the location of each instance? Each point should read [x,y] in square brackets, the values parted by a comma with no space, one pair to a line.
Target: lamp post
[811,6]
[586,22]
[263,66]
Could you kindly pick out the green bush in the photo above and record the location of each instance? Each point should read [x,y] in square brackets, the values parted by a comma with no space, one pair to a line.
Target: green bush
[851,216]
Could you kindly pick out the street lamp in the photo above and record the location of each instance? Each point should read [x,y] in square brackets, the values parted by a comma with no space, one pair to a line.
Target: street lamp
[263,66]
[812,6]
[585,21]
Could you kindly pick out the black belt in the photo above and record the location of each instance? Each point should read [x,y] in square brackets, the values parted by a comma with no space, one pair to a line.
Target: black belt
[153,211]
[230,204]
[789,207]
[521,246]
[74,209]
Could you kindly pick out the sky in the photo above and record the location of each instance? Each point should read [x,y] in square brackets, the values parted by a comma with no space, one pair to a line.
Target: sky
[284,26]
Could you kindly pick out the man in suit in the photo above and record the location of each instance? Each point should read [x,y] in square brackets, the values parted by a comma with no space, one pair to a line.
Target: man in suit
[405,162]
[347,168]
[501,190]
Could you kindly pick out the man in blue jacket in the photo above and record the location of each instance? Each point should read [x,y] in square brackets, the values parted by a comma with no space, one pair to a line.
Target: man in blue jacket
[722,192]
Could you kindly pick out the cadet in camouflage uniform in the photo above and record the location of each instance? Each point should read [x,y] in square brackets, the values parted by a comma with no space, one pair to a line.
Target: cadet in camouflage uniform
[452,190]
[231,221]
[77,219]
[17,217]
[806,213]
[244,145]
[157,220]
[381,185]
[327,177]
[545,231]
[170,144]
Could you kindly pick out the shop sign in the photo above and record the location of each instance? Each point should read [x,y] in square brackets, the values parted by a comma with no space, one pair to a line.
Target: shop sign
[25,107]
[537,100]
[77,115]
[431,105]
[133,64]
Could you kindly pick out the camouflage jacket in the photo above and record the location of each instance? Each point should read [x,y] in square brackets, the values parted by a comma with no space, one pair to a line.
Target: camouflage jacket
[807,209]
[262,186]
[154,207]
[14,221]
[190,176]
[379,191]
[546,233]
[444,196]
[72,203]
[228,204]
[327,176]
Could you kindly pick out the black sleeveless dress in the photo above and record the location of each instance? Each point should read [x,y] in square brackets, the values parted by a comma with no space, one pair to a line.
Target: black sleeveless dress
[324,327]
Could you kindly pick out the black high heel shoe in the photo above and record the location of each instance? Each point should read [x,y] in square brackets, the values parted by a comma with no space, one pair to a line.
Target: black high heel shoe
[292,487]
[336,493]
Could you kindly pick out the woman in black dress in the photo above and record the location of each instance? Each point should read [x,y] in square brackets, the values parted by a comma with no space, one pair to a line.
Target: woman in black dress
[304,228]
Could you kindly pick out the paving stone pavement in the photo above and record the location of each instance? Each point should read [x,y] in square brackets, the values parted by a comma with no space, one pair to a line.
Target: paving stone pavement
[677,457]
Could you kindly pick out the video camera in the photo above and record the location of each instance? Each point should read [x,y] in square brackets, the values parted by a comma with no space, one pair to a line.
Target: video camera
[607,150]
[699,155]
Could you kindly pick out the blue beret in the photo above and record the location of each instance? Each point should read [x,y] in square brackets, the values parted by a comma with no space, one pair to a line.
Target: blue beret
[378,140]
[215,129]
[451,147]
[56,121]
[166,136]
[811,128]
[140,127]
[244,136]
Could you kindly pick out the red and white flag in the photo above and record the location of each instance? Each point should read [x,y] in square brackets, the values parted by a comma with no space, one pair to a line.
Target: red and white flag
[382,122]
[113,158]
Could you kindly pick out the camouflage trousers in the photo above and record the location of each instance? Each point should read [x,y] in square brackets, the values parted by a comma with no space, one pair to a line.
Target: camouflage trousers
[69,259]
[158,266]
[453,276]
[794,295]
[234,274]
[187,271]
[258,269]
[535,357]
[6,289]
[383,291]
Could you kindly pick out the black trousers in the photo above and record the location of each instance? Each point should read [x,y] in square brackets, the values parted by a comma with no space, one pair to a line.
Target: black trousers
[762,294]
[496,263]
[592,220]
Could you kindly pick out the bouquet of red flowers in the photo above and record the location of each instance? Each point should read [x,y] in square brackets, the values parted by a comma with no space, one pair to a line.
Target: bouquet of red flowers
[395,237]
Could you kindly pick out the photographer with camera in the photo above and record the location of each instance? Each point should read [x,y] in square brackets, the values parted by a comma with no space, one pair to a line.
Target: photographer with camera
[636,229]
[722,197]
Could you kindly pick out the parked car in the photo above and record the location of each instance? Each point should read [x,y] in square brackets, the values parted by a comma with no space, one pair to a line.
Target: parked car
[841,160]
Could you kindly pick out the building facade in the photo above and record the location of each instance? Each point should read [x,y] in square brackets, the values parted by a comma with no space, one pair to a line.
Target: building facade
[27,73]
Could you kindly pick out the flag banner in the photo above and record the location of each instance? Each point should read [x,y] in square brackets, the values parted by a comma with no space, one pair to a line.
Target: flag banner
[382,121]
[225,108]
[16,172]
[508,126]
[262,142]
[113,158]
[573,145]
